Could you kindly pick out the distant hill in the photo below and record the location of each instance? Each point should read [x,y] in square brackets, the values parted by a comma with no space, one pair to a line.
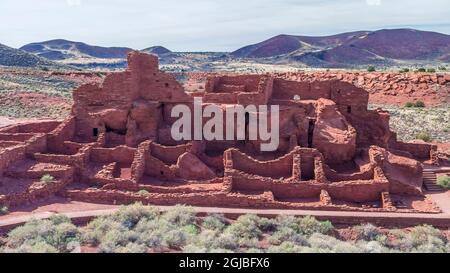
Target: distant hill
[386,47]
[64,49]
[15,57]
[158,50]
[353,48]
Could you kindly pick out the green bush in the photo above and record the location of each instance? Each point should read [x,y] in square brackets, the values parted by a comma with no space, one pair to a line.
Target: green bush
[246,226]
[47,178]
[4,210]
[444,182]
[404,70]
[421,70]
[286,247]
[424,136]
[427,239]
[175,239]
[371,247]
[419,104]
[32,247]
[371,69]
[409,105]
[287,235]
[141,229]
[215,222]
[367,232]
[129,216]
[143,192]
[431,70]
[42,233]
[310,225]
[180,216]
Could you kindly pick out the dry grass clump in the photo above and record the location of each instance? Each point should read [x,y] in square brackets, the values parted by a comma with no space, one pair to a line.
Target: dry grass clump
[142,229]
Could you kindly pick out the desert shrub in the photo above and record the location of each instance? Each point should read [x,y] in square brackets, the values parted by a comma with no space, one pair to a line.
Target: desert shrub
[345,247]
[213,239]
[409,105]
[129,216]
[431,70]
[404,70]
[132,248]
[33,247]
[175,239]
[47,178]
[322,242]
[4,210]
[226,241]
[215,222]
[132,228]
[310,225]
[65,234]
[98,228]
[425,136]
[191,229]
[143,192]
[367,232]
[304,226]
[246,226]
[444,181]
[39,233]
[287,235]
[58,219]
[193,248]
[114,240]
[371,69]
[421,70]
[285,247]
[254,251]
[422,235]
[399,240]
[419,104]
[371,247]
[180,216]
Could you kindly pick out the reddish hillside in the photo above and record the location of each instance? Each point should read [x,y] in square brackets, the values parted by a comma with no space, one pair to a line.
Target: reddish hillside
[354,48]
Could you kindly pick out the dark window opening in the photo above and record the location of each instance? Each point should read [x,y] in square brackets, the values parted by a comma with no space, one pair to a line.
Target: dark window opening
[166,85]
[349,109]
[312,124]
[95,132]
[121,132]
[163,109]
[161,172]
[247,118]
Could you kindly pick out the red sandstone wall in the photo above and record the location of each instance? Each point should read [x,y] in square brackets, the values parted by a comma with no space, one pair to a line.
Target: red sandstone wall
[280,168]
[121,154]
[31,127]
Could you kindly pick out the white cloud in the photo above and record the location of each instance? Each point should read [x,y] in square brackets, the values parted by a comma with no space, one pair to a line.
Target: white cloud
[73,3]
[373,2]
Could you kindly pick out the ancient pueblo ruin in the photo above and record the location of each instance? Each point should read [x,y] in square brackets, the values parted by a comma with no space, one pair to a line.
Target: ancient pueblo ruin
[117,148]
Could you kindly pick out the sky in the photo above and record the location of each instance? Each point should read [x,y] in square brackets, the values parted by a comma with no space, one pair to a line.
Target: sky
[207,25]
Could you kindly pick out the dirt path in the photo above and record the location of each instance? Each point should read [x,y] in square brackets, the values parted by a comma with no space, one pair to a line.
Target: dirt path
[442,199]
